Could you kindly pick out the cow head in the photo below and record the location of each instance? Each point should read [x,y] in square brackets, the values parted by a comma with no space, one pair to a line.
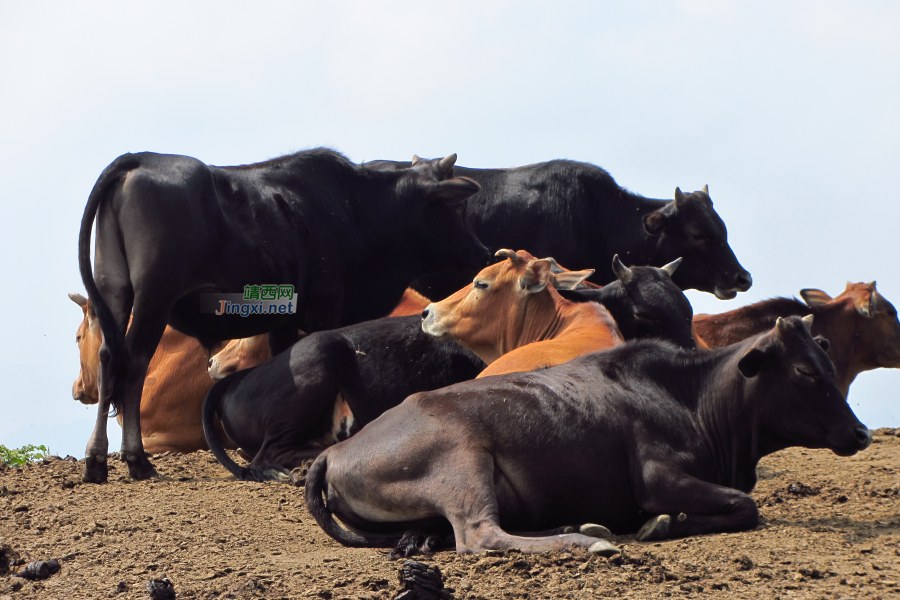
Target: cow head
[867,320]
[488,316]
[238,355]
[88,338]
[791,389]
[433,223]
[645,303]
[689,227]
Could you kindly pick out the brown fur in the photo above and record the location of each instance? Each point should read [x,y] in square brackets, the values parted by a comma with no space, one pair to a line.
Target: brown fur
[860,325]
[514,329]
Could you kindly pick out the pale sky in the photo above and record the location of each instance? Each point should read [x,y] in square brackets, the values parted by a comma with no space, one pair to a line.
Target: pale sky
[787,110]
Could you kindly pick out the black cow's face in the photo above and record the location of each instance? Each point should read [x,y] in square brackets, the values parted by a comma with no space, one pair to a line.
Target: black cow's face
[792,386]
[646,303]
[435,216]
[689,228]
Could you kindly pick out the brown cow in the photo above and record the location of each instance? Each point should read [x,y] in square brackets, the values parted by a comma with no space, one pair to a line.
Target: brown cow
[173,392]
[250,352]
[860,324]
[514,320]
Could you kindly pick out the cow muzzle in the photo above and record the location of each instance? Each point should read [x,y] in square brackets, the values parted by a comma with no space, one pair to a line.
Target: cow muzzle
[431,323]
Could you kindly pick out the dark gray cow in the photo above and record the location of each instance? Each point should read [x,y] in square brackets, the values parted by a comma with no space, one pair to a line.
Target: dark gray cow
[642,434]
[172,232]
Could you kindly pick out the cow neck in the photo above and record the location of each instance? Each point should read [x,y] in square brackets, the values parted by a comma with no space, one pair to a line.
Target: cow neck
[541,319]
[845,349]
[751,320]
[729,424]
[620,228]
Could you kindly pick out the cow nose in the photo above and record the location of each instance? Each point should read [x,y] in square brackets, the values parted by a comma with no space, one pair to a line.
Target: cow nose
[864,437]
[424,314]
[744,281]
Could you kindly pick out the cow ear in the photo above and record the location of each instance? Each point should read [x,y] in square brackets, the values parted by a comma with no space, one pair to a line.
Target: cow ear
[814,298]
[569,280]
[537,275]
[865,305]
[655,223]
[822,342]
[752,362]
[451,191]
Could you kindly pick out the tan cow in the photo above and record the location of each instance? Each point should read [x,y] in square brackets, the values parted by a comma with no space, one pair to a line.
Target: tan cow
[513,319]
[860,325]
[173,392]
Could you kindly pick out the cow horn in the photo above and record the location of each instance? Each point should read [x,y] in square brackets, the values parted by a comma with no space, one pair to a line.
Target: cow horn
[511,255]
[807,322]
[78,299]
[447,162]
[780,325]
[623,273]
[416,160]
[871,284]
[670,268]
[706,190]
[679,196]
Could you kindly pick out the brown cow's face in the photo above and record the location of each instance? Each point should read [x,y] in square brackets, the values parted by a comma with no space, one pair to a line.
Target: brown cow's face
[871,319]
[487,315]
[690,228]
[238,355]
[88,338]
[791,384]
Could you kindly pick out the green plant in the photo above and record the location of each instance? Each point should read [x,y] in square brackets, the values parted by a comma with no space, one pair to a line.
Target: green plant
[18,457]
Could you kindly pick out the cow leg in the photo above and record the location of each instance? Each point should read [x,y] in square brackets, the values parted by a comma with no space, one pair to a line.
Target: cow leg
[473,511]
[282,338]
[688,506]
[95,455]
[142,339]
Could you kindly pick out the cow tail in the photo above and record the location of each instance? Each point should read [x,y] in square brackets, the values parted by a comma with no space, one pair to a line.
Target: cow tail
[315,504]
[112,336]
[210,409]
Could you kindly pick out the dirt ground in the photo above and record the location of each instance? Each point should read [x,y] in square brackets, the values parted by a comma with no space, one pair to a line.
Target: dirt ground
[830,529]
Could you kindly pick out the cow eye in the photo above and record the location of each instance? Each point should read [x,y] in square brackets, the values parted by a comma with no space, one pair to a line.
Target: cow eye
[806,372]
[644,317]
[481,285]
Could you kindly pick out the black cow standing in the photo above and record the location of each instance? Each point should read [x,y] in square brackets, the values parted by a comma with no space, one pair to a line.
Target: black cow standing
[577,213]
[641,434]
[172,232]
[291,407]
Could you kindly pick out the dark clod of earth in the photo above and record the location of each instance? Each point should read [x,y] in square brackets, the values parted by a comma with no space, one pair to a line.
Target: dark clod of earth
[161,589]
[39,569]
[421,582]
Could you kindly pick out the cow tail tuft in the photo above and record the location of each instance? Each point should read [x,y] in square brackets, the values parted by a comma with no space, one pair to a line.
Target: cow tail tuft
[112,336]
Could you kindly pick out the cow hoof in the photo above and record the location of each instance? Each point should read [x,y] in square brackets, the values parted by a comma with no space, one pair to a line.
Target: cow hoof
[656,528]
[595,531]
[139,467]
[603,548]
[94,470]
[276,474]
[244,454]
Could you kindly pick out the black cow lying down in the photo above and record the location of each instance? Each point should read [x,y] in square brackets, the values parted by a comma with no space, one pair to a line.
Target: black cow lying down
[640,434]
[331,383]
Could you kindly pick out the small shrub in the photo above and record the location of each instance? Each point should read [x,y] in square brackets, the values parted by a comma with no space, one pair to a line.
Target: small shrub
[26,454]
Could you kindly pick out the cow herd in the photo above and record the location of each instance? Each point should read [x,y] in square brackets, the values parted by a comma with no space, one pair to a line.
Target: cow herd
[539,399]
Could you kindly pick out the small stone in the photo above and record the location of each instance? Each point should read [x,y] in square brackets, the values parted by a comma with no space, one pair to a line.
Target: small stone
[596,531]
[603,548]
